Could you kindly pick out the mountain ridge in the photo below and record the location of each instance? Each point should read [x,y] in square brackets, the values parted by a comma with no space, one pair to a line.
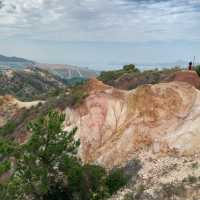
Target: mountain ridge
[14,59]
[64,71]
[30,83]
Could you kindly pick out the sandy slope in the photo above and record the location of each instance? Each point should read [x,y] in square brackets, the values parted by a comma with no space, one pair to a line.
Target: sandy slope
[158,124]
[113,125]
[10,106]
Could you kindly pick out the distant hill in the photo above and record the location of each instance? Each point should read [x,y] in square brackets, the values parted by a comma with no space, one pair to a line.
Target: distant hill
[14,63]
[14,59]
[29,84]
[61,70]
[69,71]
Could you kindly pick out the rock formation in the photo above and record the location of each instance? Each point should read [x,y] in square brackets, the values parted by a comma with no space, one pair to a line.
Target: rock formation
[114,125]
[190,77]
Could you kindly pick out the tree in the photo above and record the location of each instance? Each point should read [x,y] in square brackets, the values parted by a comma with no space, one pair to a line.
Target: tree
[88,182]
[130,68]
[47,167]
[38,165]
[116,180]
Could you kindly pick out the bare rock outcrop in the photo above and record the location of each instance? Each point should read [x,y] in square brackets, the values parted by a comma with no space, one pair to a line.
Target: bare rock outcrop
[114,125]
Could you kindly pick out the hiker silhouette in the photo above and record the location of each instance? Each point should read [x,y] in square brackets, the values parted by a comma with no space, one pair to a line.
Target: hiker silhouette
[190,66]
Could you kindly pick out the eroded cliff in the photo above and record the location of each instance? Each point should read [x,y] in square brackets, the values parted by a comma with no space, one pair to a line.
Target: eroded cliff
[115,125]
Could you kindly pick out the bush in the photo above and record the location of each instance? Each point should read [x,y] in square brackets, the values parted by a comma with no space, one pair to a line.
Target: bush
[87,182]
[170,190]
[129,196]
[93,183]
[109,76]
[77,96]
[8,128]
[116,179]
[47,167]
[6,147]
[198,69]
[130,68]
[4,166]
[57,191]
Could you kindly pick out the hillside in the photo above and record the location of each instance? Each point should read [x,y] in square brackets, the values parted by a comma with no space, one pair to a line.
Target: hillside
[68,71]
[14,59]
[10,107]
[157,124]
[130,77]
[138,116]
[14,63]
[29,83]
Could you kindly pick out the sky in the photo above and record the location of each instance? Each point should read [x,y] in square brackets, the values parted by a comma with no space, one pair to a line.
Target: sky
[100,33]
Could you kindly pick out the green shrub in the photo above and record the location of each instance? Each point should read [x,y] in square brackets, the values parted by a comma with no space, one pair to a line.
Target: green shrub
[129,196]
[190,179]
[6,147]
[47,168]
[4,166]
[57,191]
[8,128]
[170,190]
[93,183]
[116,179]
[130,68]
[87,182]
[109,76]
[77,96]
[139,192]
[198,69]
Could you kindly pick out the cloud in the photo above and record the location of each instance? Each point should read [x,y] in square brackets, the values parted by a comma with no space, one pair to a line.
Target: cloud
[101,20]
[1,4]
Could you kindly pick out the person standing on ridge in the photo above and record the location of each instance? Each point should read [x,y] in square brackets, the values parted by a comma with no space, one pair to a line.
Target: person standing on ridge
[190,66]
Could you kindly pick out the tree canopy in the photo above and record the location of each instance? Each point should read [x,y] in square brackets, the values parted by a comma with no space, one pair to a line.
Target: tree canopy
[47,167]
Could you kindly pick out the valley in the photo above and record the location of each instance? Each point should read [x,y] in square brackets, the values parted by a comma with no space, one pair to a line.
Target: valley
[99,100]
[155,124]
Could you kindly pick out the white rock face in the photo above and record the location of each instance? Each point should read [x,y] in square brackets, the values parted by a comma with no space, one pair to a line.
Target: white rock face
[115,125]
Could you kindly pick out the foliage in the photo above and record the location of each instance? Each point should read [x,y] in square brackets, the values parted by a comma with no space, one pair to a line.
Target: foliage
[136,194]
[75,81]
[5,166]
[6,147]
[77,96]
[130,68]
[170,190]
[8,128]
[190,179]
[58,100]
[134,77]
[129,79]
[47,167]
[86,182]
[116,180]
[129,196]
[92,182]
[32,85]
[198,69]
[109,76]
[37,165]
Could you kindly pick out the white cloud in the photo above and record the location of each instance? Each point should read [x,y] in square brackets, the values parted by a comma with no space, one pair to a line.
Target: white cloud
[101,20]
